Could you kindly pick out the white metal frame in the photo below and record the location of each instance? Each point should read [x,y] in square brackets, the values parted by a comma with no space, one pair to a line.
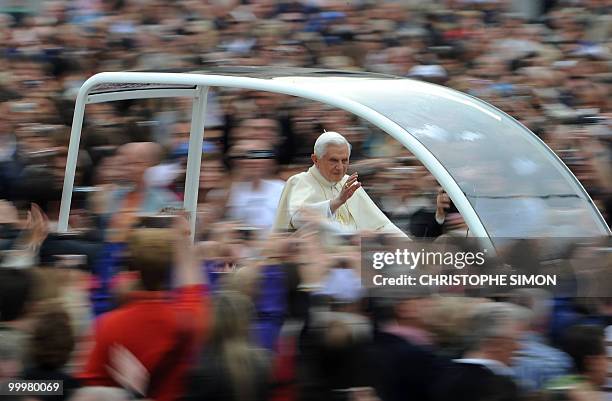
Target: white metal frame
[140,94]
[202,82]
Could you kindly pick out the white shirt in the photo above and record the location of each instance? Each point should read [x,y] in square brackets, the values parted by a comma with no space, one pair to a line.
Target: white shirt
[162,175]
[494,366]
[255,207]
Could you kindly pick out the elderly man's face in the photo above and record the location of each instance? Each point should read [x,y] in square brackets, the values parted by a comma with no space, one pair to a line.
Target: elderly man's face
[136,158]
[507,345]
[334,163]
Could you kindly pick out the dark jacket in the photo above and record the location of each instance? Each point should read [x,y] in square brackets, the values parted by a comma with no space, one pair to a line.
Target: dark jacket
[10,171]
[472,382]
[423,224]
[403,371]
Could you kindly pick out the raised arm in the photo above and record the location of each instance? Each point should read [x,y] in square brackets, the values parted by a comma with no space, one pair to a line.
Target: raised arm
[186,262]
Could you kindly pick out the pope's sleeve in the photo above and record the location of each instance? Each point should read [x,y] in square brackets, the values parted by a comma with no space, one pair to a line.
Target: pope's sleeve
[298,195]
[375,218]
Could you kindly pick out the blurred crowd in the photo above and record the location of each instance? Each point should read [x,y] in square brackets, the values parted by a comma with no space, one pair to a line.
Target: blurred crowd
[123,307]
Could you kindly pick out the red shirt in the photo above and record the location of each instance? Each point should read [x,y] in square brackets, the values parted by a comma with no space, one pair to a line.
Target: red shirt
[148,327]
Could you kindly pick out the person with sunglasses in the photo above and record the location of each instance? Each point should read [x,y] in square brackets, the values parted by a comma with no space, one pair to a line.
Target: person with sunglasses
[254,194]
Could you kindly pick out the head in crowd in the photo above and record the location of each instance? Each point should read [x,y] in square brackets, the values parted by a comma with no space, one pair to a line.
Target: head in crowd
[254,159]
[212,173]
[331,155]
[232,316]
[494,330]
[448,321]
[15,293]
[52,340]
[136,158]
[233,312]
[108,170]
[539,302]
[264,129]
[48,285]
[150,253]
[402,307]
[586,346]
[181,132]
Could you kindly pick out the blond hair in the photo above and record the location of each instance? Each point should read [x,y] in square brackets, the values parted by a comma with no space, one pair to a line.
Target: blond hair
[150,253]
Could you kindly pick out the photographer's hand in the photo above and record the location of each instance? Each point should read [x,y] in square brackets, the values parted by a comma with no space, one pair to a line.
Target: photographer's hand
[8,213]
[442,204]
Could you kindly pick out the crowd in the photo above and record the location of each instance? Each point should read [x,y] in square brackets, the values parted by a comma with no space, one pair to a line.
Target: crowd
[123,307]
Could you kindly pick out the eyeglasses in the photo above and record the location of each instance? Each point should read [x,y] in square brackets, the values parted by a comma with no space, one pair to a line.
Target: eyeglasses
[256,154]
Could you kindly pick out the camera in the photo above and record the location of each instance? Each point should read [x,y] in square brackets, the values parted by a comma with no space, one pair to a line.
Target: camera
[451,207]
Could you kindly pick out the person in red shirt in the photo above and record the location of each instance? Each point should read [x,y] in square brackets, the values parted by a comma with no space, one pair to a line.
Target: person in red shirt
[147,345]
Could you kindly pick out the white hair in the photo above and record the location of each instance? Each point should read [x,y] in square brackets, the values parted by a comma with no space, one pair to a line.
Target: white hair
[329,138]
[492,319]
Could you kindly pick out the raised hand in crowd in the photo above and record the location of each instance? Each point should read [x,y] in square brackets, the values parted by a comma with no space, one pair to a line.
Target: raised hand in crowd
[8,213]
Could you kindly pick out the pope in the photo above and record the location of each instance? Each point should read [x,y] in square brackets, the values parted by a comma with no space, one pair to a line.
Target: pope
[327,190]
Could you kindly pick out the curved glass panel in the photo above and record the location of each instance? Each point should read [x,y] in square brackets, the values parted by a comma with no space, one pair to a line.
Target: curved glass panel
[515,184]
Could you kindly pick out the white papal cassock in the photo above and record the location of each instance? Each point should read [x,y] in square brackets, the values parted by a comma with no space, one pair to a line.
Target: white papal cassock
[311,190]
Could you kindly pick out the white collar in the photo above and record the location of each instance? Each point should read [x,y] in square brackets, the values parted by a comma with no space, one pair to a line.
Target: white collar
[322,180]
[494,366]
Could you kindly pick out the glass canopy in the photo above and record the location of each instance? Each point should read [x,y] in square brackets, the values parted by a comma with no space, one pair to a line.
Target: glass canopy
[516,185]
[501,176]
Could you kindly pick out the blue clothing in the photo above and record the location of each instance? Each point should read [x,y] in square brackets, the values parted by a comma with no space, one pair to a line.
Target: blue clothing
[106,267]
[537,363]
[270,306]
[153,201]
[566,314]
[214,272]
[270,301]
